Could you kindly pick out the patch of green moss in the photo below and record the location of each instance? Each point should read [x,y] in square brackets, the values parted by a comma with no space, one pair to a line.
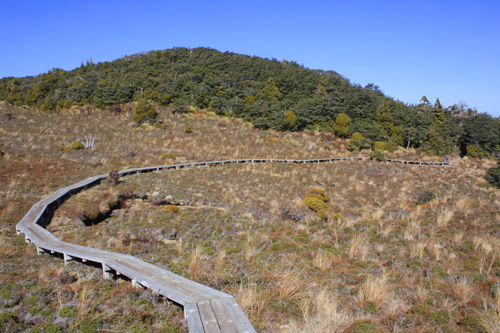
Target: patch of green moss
[439,272]
[420,310]
[370,307]
[441,317]
[6,318]
[55,329]
[236,249]
[67,312]
[283,246]
[364,326]
[471,322]
[362,264]
[36,310]
[208,248]
[326,246]
[31,301]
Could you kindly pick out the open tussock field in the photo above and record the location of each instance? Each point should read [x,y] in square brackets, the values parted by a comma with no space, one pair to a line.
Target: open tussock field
[345,246]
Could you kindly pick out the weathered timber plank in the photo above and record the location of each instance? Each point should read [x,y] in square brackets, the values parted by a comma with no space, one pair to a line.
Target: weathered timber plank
[208,317]
[237,315]
[223,315]
[193,318]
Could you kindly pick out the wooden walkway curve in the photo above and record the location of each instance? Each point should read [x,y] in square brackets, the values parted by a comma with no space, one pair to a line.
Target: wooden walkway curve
[205,309]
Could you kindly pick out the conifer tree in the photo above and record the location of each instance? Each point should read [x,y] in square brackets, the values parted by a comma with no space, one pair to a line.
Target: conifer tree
[291,120]
[341,126]
[384,117]
[438,113]
[321,89]
[270,92]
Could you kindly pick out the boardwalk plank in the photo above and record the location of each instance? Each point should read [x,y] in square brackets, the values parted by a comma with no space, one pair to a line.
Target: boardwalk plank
[223,315]
[208,317]
[193,318]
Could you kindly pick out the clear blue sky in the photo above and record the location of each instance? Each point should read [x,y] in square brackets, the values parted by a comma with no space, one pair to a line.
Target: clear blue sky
[446,49]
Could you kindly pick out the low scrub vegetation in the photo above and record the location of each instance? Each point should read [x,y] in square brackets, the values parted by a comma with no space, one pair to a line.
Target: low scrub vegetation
[400,247]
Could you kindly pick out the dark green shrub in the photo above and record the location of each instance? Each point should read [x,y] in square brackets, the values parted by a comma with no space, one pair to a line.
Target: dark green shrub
[377,155]
[189,129]
[493,176]
[427,196]
[354,145]
[144,112]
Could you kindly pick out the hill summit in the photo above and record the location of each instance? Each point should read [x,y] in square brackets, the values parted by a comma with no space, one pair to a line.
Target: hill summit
[281,95]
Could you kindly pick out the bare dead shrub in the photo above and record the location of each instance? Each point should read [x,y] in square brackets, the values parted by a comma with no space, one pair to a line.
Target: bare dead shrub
[113,177]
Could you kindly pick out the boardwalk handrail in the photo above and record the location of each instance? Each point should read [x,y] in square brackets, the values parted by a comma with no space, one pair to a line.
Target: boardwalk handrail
[205,309]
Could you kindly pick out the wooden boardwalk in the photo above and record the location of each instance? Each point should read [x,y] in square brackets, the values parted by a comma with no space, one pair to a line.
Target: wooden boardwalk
[205,309]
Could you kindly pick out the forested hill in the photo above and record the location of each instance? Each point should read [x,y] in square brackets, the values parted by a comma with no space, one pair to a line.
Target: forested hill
[270,93]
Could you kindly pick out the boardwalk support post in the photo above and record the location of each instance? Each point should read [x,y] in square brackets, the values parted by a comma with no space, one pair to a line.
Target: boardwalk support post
[106,271]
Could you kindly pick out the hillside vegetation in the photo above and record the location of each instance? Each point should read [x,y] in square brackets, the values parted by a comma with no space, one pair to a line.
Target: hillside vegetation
[356,246]
[281,95]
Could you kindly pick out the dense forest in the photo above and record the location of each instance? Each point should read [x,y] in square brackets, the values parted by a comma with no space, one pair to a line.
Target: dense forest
[274,94]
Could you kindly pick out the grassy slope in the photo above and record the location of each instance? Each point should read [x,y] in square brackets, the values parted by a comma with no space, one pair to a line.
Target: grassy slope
[383,262]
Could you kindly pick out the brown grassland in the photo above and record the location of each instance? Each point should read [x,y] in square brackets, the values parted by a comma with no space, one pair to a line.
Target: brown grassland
[401,248]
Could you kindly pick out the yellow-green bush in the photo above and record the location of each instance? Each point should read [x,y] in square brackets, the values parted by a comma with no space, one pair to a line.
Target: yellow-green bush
[172,209]
[379,145]
[316,199]
[389,146]
[318,193]
[377,155]
[316,204]
[321,213]
[357,136]
[77,145]
[274,140]
[165,156]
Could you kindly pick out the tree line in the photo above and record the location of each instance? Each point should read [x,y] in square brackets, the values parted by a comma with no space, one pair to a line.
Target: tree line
[281,95]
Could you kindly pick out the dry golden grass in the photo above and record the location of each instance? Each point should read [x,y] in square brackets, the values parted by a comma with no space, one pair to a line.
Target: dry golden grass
[374,289]
[463,290]
[444,217]
[328,315]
